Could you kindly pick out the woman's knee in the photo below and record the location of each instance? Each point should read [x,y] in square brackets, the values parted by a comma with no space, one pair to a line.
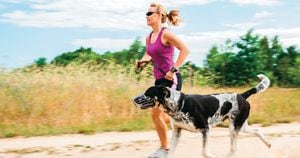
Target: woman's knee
[156,113]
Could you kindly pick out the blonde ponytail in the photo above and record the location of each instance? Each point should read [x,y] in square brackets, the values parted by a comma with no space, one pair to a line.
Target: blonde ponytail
[173,18]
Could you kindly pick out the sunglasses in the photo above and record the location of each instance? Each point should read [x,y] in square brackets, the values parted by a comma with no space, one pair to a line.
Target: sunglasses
[150,13]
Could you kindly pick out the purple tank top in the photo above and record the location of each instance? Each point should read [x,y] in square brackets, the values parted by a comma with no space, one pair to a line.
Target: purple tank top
[162,55]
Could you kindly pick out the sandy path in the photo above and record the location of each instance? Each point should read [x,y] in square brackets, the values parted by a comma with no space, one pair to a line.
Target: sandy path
[285,139]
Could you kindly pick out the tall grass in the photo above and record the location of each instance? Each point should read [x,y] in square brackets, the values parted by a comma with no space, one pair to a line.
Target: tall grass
[84,100]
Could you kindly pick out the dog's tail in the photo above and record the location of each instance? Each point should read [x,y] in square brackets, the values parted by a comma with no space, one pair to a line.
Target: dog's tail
[260,87]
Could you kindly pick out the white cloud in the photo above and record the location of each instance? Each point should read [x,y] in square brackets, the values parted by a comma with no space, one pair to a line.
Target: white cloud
[262,15]
[257,2]
[110,14]
[177,3]
[105,44]
[104,14]
[26,1]
[200,43]
[241,26]
[288,36]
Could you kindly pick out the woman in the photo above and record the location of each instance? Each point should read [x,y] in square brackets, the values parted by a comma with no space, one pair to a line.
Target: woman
[160,45]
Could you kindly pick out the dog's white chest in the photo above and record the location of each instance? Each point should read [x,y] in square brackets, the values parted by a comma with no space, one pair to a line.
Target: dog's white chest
[189,126]
[182,120]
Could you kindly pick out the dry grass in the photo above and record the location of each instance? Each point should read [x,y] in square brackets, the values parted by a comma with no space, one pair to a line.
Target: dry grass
[74,100]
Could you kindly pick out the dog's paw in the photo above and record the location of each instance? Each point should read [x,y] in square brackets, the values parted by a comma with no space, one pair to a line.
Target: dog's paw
[230,155]
[209,155]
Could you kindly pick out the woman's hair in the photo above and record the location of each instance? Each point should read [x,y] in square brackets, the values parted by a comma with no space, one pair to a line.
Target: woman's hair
[173,17]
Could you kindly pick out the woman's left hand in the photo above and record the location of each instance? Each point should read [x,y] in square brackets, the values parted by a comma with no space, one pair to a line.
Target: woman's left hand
[169,76]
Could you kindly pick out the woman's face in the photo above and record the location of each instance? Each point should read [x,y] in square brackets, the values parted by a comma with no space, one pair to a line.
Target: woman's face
[152,16]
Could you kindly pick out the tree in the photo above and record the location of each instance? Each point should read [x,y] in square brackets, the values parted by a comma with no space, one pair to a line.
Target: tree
[217,64]
[243,64]
[83,55]
[189,71]
[285,64]
[264,56]
[41,62]
[250,55]
[137,49]
[79,56]
[294,72]
[127,57]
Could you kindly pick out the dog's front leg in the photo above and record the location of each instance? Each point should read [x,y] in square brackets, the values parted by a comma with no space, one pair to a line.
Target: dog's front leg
[176,133]
[206,152]
[233,139]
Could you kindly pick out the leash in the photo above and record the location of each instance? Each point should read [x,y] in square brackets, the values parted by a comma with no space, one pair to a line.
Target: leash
[158,68]
[140,68]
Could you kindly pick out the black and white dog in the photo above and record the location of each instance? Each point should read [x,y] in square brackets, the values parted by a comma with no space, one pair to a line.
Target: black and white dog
[198,113]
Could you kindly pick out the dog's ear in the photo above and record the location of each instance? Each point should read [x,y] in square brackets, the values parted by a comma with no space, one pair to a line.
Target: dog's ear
[161,92]
[165,92]
[151,92]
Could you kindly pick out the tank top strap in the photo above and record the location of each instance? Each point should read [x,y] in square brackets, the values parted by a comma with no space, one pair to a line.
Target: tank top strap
[159,34]
[150,35]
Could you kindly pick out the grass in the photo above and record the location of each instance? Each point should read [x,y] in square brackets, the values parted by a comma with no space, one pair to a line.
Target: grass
[75,100]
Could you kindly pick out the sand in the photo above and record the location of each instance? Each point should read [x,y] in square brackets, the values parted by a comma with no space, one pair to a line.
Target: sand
[285,139]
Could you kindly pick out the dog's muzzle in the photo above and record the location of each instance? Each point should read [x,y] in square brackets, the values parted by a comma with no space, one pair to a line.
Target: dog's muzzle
[143,102]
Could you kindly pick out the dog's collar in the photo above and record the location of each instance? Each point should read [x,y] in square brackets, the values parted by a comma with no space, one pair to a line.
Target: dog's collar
[182,101]
[182,105]
[173,97]
[176,98]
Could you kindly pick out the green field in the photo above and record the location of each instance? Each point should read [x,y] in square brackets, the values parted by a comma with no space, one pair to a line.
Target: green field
[73,100]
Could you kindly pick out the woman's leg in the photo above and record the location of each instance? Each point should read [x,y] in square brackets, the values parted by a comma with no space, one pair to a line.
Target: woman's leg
[160,120]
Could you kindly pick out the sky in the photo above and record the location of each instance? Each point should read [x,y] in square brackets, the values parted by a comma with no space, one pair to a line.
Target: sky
[30,29]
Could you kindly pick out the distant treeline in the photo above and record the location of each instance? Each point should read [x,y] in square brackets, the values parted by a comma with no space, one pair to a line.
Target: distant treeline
[234,63]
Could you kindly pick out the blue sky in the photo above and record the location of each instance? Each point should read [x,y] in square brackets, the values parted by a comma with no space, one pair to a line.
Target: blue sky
[30,29]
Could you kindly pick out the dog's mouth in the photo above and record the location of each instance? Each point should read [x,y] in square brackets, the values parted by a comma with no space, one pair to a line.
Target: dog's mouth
[142,101]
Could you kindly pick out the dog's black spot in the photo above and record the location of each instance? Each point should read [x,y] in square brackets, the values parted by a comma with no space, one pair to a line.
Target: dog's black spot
[155,91]
[249,92]
[200,108]
[225,108]
[202,104]
[244,110]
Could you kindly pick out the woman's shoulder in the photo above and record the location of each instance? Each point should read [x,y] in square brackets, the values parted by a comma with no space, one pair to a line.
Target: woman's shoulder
[166,30]
[167,33]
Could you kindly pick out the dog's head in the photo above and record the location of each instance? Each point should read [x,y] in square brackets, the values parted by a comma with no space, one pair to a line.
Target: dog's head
[158,93]
[167,97]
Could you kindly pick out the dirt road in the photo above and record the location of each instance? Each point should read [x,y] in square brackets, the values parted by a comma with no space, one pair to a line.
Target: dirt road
[285,139]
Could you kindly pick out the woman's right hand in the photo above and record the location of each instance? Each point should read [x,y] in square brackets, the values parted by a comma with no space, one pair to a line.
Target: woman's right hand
[137,63]
[140,63]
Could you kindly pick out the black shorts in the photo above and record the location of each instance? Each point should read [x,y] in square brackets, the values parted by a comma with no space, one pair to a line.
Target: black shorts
[169,83]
